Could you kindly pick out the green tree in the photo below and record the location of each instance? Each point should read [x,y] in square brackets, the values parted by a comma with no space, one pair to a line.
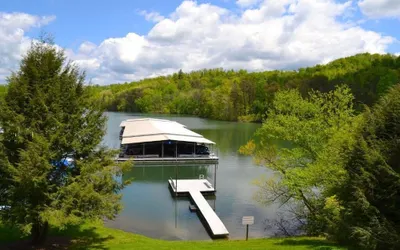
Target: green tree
[47,116]
[236,96]
[151,101]
[3,91]
[390,79]
[301,140]
[371,194]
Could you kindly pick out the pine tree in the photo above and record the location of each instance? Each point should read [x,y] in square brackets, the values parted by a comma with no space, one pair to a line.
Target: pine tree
[48,117]
[371,194]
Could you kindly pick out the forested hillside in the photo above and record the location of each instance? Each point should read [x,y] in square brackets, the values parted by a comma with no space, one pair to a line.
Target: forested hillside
[240,95]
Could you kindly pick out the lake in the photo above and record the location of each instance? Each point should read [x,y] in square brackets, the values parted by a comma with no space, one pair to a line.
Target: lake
[150,210]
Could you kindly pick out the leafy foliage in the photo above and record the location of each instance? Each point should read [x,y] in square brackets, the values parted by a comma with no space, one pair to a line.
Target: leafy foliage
[47,116]
[309,165]
[244,96]
[3,91]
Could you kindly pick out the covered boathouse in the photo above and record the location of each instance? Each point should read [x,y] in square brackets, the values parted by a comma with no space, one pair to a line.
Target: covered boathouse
[149,140]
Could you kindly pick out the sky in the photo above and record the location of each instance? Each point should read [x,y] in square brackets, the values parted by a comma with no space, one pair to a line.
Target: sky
[127,40]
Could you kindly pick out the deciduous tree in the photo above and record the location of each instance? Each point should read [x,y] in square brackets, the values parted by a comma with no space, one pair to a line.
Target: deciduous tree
[301,140]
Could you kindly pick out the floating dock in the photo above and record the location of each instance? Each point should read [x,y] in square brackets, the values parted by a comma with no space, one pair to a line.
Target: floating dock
[195,189]
[155,141]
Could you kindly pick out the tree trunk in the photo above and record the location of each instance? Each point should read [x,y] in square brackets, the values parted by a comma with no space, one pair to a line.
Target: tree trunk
[39,232]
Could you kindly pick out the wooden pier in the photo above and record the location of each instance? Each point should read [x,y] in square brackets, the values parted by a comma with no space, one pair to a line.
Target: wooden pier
[195,189]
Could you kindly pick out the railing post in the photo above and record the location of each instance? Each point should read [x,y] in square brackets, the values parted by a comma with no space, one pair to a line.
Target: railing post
[215,177]
[176,180]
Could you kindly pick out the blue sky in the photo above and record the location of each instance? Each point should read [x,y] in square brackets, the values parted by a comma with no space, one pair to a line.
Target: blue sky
[388,27]
[124,40]
[95,20]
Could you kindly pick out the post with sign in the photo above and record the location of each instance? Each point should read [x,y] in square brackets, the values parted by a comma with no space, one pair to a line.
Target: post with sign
[247,220]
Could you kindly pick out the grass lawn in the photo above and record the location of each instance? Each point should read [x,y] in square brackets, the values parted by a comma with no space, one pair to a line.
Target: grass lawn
[96,236]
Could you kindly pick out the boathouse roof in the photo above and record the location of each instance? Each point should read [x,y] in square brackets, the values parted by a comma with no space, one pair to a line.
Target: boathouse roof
[152,130]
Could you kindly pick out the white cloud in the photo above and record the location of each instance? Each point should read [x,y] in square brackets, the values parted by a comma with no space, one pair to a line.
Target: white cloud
[273,34]
[151,16]
[87,47]
[247,3]
[13,21]
[13,41]
[380,8]
[276,34]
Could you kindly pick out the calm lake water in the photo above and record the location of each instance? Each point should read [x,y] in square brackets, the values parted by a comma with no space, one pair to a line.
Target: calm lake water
[149,208]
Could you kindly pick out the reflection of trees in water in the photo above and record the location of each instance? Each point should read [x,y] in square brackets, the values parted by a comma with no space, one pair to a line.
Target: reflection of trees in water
[286,222]
[230,138]
[163,173]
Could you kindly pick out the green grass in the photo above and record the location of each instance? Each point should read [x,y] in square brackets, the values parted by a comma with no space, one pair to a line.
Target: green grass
[96,236]
[8,234]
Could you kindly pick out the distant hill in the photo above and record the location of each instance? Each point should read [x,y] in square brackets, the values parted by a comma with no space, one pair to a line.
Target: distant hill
[240,95]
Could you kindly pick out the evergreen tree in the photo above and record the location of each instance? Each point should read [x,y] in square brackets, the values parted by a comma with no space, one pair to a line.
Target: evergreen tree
[48,118]
[371,194]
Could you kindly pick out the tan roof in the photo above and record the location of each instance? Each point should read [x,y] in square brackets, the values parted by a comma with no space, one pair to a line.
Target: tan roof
[149,129]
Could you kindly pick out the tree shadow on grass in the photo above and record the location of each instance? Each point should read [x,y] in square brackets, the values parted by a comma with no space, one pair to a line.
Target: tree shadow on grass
[8,234]
[83,238]
[316,244]
[72,237]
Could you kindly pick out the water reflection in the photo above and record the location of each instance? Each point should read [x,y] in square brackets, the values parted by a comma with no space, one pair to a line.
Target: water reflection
[229,137]
[161,174]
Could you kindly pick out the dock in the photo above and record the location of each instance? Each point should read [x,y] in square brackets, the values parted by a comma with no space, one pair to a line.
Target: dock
[170,160]
[155,141]
[195,190]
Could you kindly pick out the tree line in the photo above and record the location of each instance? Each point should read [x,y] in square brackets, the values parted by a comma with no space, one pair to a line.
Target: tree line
[245,96]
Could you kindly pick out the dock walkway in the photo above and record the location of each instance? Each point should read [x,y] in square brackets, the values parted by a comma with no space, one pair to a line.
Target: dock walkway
[217,228]
[195,188]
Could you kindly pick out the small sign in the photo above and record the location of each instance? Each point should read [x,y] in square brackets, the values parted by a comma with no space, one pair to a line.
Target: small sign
[248,220]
